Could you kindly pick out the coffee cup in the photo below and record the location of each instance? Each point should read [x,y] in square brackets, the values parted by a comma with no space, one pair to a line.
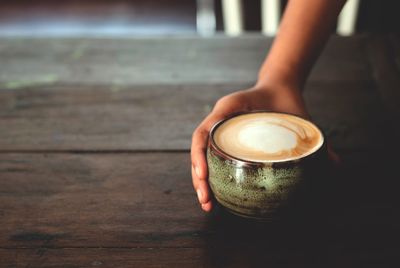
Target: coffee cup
[260,162]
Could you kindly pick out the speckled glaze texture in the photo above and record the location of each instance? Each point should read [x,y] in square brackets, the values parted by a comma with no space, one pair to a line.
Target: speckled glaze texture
[258,190]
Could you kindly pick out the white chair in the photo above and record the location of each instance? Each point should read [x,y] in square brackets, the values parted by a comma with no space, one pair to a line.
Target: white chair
[348,18]
[232,13]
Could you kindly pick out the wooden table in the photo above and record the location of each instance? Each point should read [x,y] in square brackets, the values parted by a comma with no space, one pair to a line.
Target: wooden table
[95,169]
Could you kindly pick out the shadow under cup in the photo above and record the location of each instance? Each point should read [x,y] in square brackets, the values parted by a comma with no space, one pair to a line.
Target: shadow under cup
[263,190]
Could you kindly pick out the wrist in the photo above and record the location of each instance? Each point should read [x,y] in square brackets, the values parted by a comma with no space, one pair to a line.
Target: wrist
[278,87]
[279,79]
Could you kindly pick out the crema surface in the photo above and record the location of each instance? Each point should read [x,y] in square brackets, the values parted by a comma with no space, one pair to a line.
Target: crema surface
[268,137]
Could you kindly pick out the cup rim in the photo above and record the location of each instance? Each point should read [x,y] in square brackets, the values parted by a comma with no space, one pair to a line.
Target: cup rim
[244,162]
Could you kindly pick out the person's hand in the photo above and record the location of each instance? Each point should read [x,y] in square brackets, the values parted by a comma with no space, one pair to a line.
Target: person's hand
[279,99]
[283,72]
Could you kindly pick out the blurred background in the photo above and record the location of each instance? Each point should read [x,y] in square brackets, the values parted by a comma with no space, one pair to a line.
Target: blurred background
[205,17]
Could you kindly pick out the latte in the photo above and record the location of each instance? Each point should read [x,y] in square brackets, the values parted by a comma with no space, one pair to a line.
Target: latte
[267,137]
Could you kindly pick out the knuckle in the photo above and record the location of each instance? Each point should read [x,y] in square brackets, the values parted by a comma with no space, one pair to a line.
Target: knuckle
[222,101]
[199,132]
[196,134]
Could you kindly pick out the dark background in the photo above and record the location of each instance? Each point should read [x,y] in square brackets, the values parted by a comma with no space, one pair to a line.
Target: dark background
[152,17]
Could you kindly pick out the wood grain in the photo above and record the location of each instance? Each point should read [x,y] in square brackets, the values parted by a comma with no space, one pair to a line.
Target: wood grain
[95,169]
[92,200]
[189,257]
[140,210]
[162,61]
[151,257]
[147,200]
[150,94]
[163,117]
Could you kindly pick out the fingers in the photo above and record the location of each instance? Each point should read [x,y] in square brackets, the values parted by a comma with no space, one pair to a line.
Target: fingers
[224,106]
[199,166]
[199,161]
[207,206]
[201,187]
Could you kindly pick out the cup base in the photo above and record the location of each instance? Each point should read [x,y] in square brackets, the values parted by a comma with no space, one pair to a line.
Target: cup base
[271,216]
[254,218]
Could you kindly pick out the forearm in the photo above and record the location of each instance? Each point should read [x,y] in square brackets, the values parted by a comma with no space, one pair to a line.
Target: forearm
[304,30]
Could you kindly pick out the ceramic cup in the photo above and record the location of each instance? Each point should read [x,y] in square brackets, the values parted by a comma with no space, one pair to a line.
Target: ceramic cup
[261,190]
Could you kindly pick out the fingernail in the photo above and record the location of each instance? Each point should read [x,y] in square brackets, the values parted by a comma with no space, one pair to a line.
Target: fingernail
[197,170]
[205,207]
[199,195]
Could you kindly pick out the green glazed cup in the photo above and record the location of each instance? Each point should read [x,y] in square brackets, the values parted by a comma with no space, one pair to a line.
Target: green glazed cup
[261,190]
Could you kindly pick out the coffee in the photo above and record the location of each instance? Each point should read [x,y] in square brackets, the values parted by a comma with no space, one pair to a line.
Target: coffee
[268,137]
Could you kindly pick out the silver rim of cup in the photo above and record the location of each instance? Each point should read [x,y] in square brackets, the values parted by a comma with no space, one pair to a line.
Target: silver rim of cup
[241,162]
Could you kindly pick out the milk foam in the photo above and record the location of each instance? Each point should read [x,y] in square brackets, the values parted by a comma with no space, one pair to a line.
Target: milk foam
[264,137]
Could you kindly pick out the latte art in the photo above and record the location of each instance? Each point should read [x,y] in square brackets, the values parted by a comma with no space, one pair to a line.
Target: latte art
[265,137]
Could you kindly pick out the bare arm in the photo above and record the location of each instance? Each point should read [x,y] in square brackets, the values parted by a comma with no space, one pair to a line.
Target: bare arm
[304,30]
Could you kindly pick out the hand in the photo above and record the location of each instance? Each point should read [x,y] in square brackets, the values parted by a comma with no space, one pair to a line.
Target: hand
[280,99]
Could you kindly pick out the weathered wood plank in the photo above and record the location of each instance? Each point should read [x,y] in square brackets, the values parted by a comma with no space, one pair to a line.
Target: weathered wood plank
[146,200]
[75,200]
[150,257]
[163,117]
[193,257]
[351,115]
[145,118]
[139,209]
[176,61]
